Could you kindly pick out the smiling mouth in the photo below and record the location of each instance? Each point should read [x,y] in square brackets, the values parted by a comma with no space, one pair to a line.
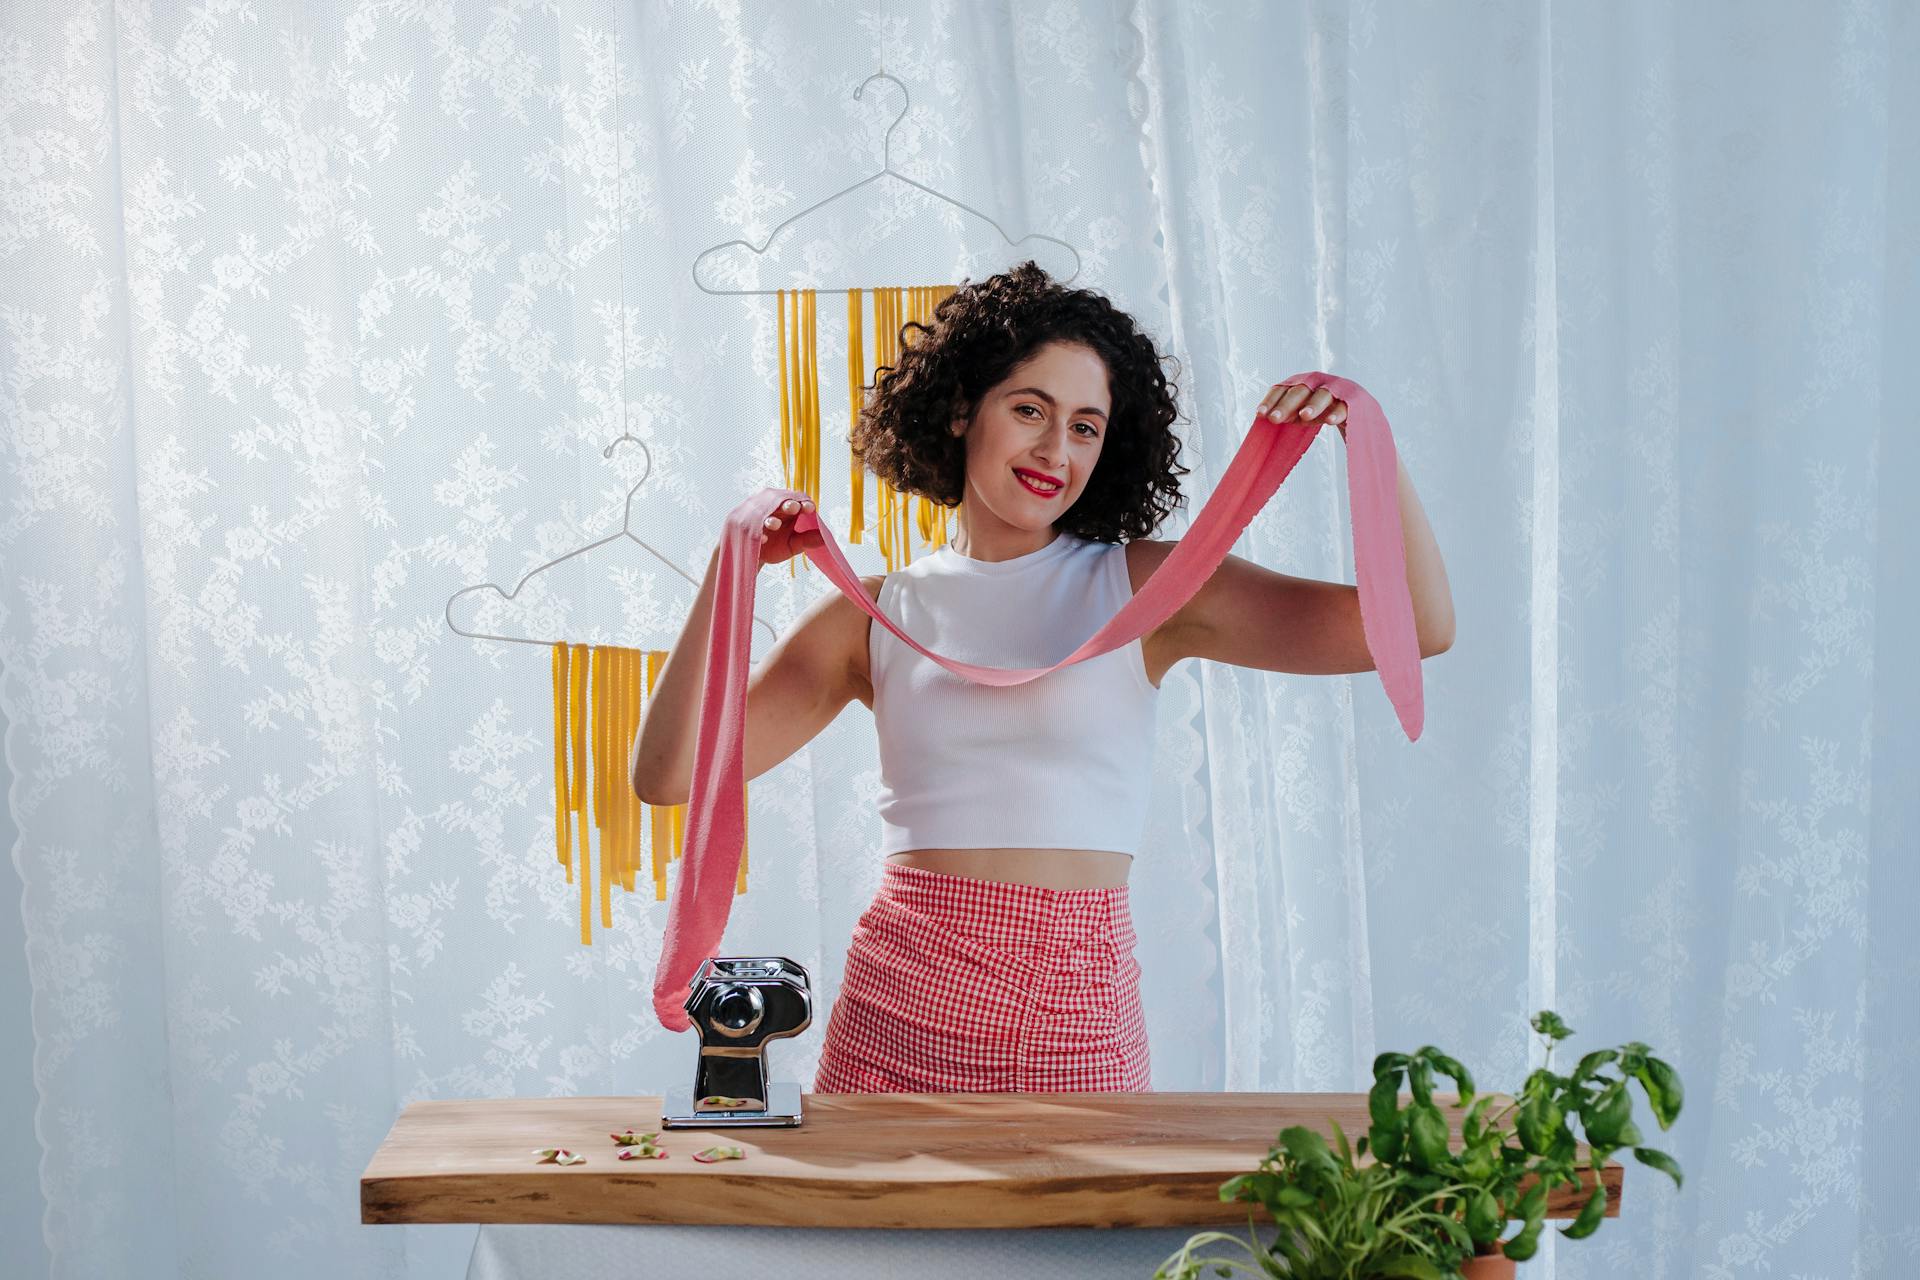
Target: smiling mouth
[1035,486]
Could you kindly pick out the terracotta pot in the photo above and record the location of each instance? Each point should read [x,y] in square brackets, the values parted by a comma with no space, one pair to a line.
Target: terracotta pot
[1488,1266]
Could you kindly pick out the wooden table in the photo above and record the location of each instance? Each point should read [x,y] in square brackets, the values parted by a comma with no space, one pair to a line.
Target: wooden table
[936,1160]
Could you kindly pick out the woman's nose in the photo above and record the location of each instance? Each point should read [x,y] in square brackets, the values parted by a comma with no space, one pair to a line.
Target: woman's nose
[1052,445]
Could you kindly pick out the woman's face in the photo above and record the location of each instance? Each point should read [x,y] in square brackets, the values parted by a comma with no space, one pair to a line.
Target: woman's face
[1047,419]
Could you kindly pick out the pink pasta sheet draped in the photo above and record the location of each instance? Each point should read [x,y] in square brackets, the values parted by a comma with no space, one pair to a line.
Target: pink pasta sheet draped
[716,826]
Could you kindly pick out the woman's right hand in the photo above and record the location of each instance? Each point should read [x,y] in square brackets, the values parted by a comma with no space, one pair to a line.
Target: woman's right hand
[782,543]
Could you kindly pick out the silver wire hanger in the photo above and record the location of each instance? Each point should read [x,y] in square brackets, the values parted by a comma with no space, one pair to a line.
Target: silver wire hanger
[886,171]
[626,531]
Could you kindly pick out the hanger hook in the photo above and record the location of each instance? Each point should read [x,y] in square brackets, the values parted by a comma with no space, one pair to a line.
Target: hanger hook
[627,520]
[906,101]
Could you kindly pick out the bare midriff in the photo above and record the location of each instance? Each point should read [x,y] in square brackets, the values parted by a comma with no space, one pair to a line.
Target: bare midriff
[1044,868]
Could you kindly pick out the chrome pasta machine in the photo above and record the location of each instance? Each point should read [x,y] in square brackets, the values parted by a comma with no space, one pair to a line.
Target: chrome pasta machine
[738,1004]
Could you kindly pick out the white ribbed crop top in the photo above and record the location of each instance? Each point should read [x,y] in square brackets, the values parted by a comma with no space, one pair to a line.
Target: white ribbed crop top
[1061,762]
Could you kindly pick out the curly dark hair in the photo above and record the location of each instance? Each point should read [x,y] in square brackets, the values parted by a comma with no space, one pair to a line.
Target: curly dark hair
[979,333]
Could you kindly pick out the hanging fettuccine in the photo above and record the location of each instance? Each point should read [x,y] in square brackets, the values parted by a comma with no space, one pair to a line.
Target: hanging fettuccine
[893,308]
[599,692]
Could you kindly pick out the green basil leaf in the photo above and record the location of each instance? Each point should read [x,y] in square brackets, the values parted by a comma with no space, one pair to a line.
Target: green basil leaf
[1662,1083]
[1534,1203]
[1522,1246]
[1593,1062]
[1483,1217]
[1606,1115]
[1306,1146]
[1658,1160]
[1426,1135]
[1383,1100]
[1590,1215]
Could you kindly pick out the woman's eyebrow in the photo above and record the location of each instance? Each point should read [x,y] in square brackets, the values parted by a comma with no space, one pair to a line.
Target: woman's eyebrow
[1035,391]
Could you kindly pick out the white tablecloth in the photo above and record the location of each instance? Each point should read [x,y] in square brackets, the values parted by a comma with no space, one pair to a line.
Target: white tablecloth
[610,1252]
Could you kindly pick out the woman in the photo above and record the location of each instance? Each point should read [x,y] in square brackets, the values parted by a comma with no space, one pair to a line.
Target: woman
[997,954]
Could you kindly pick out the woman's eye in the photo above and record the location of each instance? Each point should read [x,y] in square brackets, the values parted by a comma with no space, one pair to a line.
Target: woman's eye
[1092,431]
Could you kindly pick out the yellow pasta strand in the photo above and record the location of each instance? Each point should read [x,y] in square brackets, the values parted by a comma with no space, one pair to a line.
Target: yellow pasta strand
[786,413]
[637,681]
[856,376]
[640,806]
[623,757]
[745,809]
[596,752]
[804,472]
[902,507]
[802,342]
[592,829]
[577,726]
[791,450]
[810,424]
[637,676]
[623,776]
[597,733]
[812,453]
[616,785]
[662,818]
[646,814]
[879,361]
[610,762]
[561,787]
[619,781]
[577,722]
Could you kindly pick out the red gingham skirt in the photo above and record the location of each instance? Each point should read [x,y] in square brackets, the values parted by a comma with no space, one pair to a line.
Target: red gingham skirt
[960,985]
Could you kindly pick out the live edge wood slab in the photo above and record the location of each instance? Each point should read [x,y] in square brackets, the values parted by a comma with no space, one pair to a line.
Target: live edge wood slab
[862,1160]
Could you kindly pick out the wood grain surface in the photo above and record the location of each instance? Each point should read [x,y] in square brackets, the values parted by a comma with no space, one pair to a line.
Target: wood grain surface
[862,1160]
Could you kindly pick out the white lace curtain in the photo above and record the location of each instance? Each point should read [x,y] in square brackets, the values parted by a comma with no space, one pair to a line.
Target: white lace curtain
[311,317]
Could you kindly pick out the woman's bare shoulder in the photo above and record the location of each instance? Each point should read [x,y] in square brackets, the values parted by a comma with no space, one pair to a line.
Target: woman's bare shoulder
[1144,555]
[1161,647]
[852,626]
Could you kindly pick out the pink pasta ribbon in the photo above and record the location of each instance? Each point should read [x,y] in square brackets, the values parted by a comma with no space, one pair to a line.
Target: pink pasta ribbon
[716,826]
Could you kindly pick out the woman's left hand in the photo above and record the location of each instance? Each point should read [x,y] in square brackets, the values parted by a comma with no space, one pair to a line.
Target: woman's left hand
[1289,401]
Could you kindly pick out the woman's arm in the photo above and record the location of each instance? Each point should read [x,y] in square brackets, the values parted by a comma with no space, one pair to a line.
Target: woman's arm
[792,693]
[1250,616]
